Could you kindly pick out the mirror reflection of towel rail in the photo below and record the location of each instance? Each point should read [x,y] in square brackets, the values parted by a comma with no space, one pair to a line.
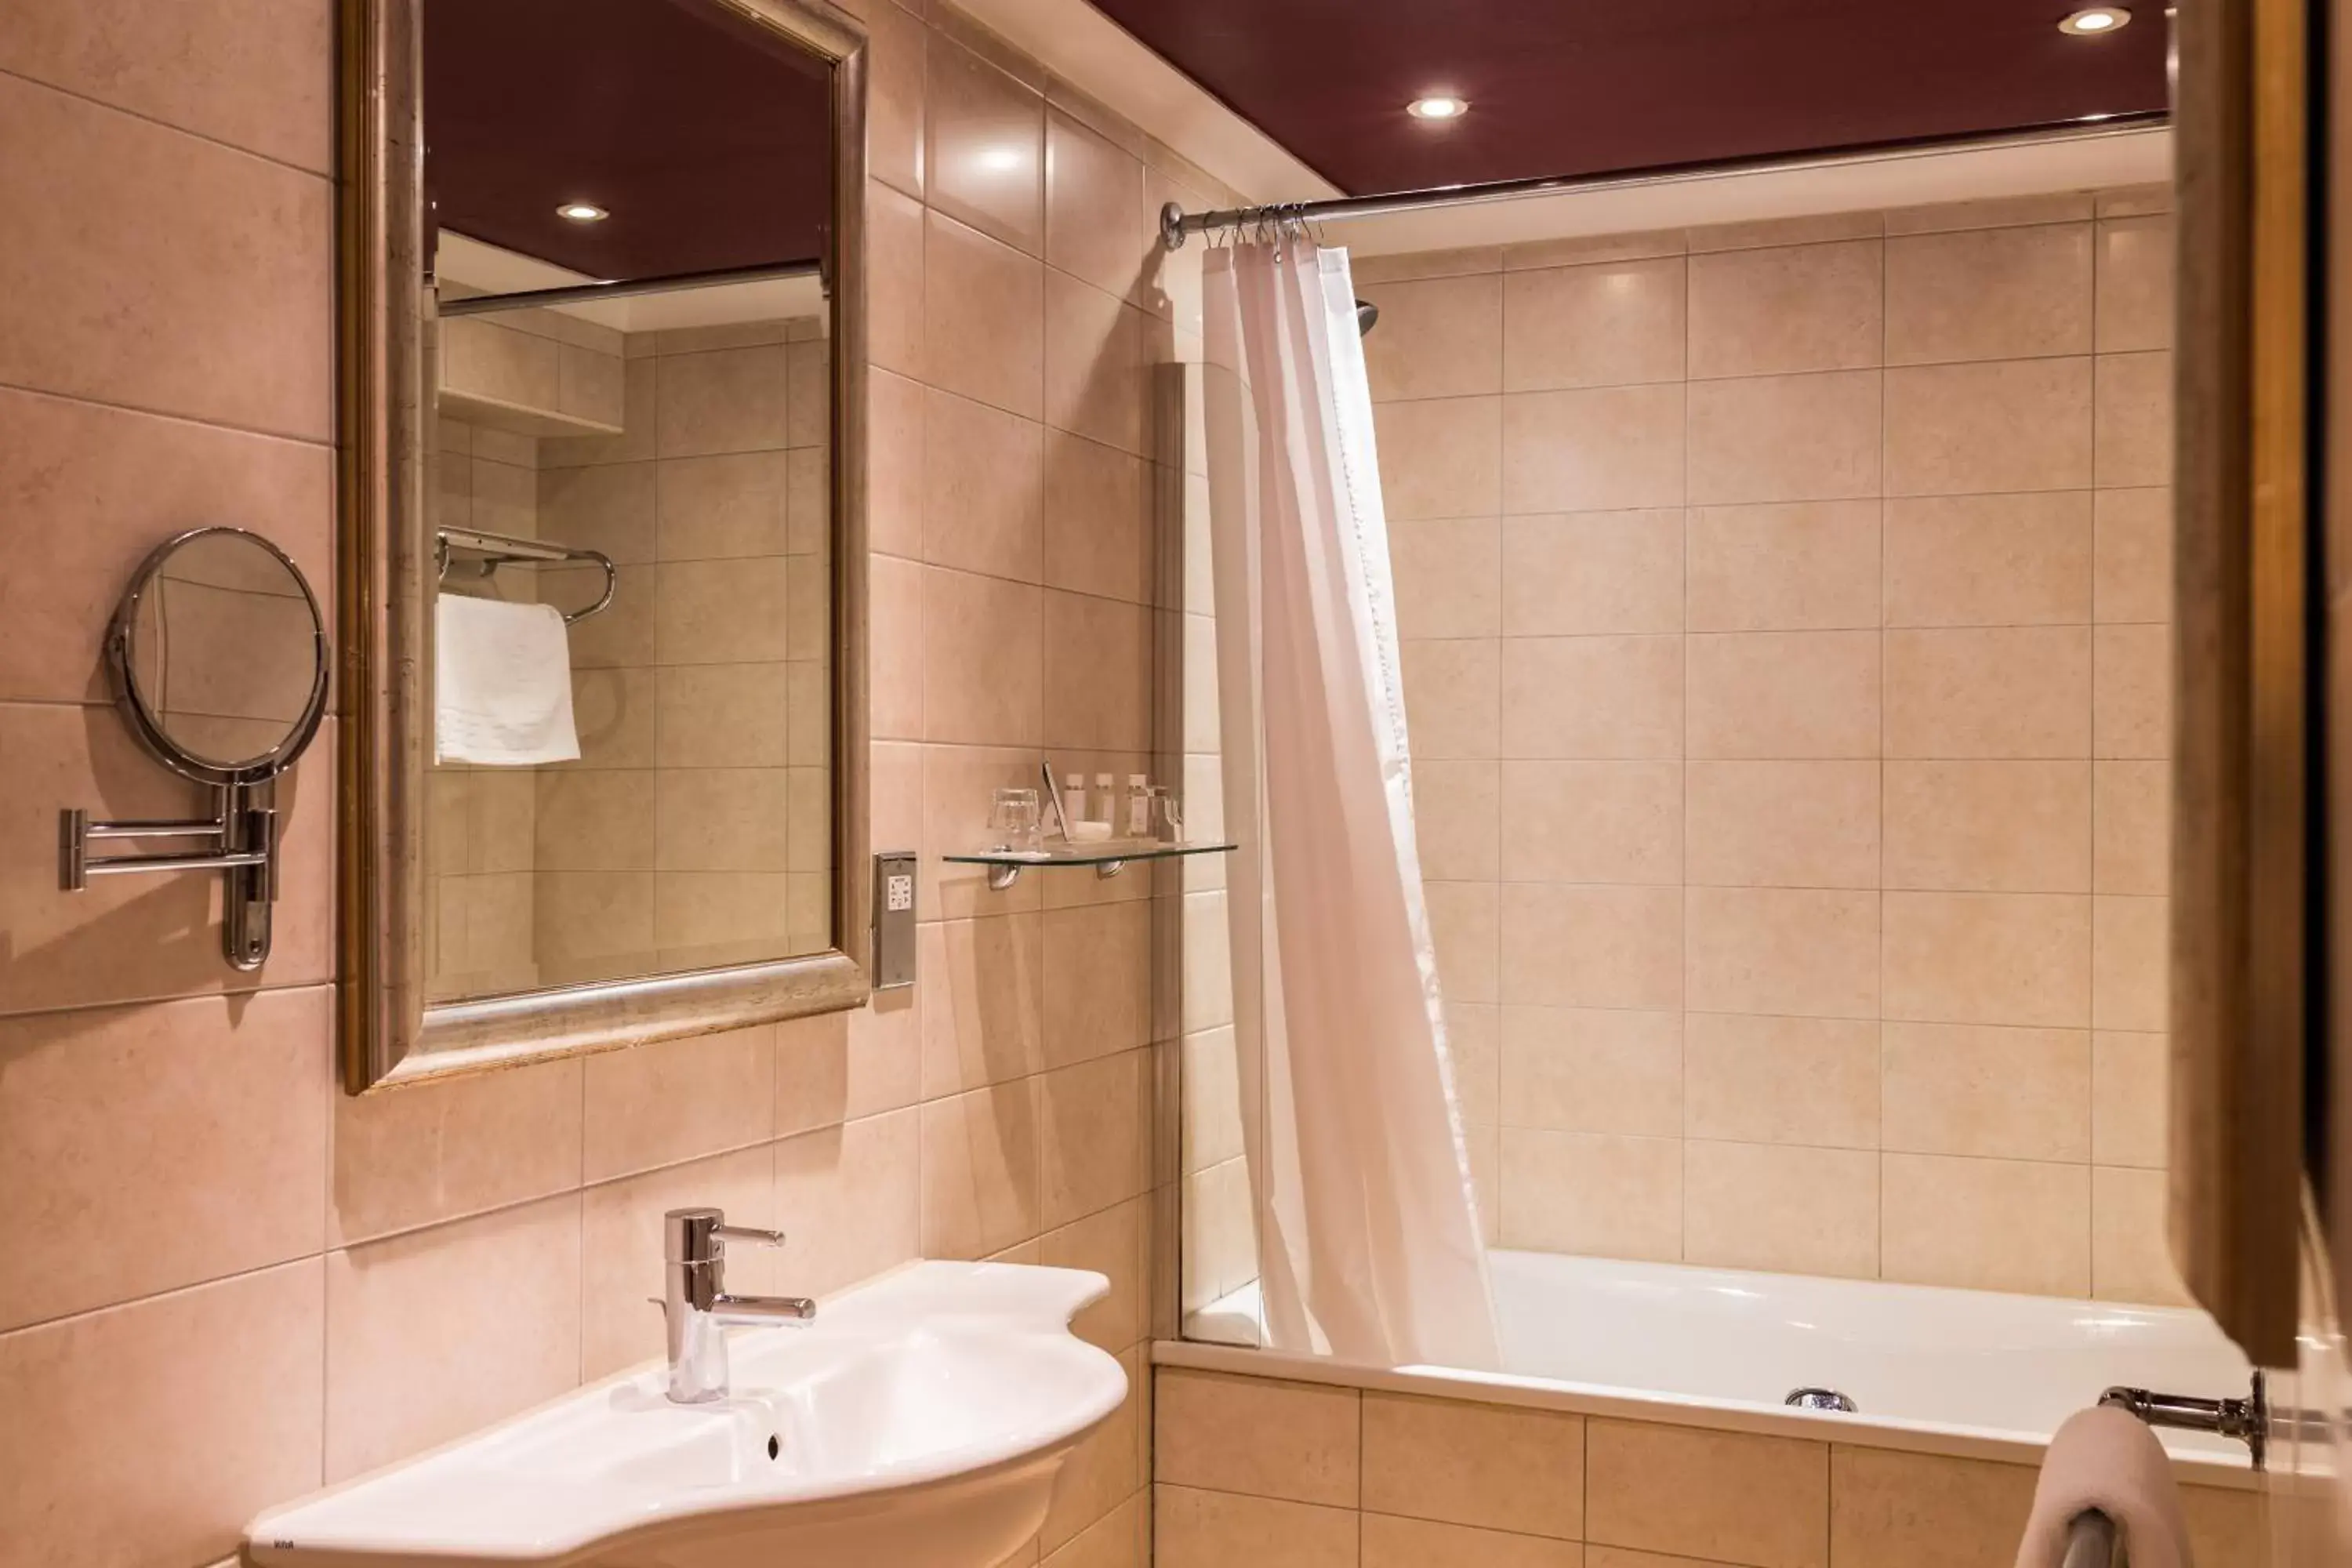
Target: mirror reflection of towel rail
[498,549]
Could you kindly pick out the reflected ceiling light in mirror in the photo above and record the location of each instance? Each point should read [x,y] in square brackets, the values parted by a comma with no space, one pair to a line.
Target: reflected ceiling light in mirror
[1438,106]
[582,211]
[2095,21]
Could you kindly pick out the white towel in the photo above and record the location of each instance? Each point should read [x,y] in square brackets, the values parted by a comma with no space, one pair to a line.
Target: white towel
[2107,1459]
[503,684]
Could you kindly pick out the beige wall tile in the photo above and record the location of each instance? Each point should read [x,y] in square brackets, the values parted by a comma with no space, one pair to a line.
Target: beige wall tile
[1098,359]
[1593,573]
[1812,229]
[1448,576]
[1193,1529]
[1992,211]
[1099,520]
[2135,419]
[2135,284]
[2132,694]
[983,318]
[1439,338]
[130,235]
[1404,267]
[1456,820]
[1892,1509]
[153,1148]
[1594,822]
[1464,922]
[849,1199]
[1786,825]
[2131,1259]
[2130,948]
[677,1100]
[1987,1225]
[1098,982]
[1602,325]
[896,332]
[1784,694]
[1440,456]
[2004,425]
[979,1172]
[1097,224]
[1094,1136]
[982,985]
[1574,1069]
[987,152]
[2017,1094]
[1988,827]
[443,1151]
[121,1447]
[1990,293]
[2007,692]
[2131,821]
[2130,1076]
[1803,951]
[1594,697]
[1795,566]
[1256,1435]
[895,140]
[983,673]
[1769,312]
[1990,561]
[1570,946]
[1780,1207]
[1465,1463]
[1728,1497]
[1393,1542]
[729,400]
[1764,1080]
[985,489]
[2133,555]
[722,715]
[1601,1195]
[1596,450]
[385,1319]
[1101,700]
[1785,438]
[1989,958]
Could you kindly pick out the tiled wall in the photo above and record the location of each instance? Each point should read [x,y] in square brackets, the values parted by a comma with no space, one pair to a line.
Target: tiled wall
[1295,1474]
[222,1283]
[1787,669]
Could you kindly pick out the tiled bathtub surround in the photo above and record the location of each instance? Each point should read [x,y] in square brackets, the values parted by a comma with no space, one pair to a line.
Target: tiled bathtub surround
[222,1283]
[1787,665]
[1295,1474]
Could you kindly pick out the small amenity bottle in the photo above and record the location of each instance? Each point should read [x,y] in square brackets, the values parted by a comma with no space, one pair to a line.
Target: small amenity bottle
[1074,802]
[1105,801]
[1139,807]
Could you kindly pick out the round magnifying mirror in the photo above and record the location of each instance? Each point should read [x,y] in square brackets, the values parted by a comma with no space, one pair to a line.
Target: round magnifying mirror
[218,656]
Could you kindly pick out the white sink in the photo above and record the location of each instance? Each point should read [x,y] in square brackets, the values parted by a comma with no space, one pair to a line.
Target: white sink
[918,1423]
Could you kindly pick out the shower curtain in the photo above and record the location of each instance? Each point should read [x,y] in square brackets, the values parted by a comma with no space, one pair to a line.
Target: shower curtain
[1368,1236]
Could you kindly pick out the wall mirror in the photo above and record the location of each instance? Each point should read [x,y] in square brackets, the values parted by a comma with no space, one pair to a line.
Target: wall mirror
[605,524]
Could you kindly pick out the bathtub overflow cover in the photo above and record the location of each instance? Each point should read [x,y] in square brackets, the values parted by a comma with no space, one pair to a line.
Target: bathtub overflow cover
[1819,1399]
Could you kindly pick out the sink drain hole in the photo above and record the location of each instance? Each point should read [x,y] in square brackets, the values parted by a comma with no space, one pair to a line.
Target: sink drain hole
[775,1447]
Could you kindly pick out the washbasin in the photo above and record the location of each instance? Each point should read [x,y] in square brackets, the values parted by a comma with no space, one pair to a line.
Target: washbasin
[918,1423]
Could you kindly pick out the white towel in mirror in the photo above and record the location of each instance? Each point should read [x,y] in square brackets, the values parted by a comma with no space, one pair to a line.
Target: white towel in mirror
[503,684]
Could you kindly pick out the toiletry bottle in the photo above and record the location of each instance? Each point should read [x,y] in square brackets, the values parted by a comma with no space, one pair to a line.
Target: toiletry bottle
[1139,807]
[1074,801]
[1104,802]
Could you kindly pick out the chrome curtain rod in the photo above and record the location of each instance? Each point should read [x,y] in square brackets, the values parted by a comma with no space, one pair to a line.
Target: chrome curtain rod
[1175,223]
[621,289]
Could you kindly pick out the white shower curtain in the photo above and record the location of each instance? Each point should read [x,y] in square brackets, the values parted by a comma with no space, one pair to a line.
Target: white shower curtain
[1368,1235]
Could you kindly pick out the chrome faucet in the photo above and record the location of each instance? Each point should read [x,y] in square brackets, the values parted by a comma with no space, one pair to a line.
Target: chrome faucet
[696,1306]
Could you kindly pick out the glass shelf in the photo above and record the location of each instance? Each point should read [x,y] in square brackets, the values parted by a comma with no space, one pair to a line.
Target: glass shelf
[1108,857]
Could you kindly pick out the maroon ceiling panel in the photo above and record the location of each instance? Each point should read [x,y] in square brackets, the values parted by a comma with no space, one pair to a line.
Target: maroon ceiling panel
[1566,87]
[707,140]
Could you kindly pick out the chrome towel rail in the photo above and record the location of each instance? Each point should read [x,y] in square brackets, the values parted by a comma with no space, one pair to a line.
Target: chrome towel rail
[2247,1419]
[497,550]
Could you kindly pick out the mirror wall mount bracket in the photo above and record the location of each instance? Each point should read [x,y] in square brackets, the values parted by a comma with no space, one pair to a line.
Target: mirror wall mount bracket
[239,839]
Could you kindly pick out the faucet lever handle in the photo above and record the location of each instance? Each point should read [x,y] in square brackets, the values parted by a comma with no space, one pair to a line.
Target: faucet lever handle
[749,1235]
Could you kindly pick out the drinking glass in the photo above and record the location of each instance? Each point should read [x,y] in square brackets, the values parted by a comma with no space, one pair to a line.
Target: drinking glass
[1014,818]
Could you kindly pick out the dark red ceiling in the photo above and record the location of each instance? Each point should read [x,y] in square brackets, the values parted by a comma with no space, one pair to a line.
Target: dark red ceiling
[707,138]
[1562,87]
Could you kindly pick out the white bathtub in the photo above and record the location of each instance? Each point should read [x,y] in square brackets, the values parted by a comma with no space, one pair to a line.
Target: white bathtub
[1970,1365]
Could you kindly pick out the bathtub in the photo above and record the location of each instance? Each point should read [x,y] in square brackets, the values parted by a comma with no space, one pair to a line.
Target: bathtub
[1935,1369]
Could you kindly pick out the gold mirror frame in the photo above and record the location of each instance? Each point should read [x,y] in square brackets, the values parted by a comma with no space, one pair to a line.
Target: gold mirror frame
[389,1034]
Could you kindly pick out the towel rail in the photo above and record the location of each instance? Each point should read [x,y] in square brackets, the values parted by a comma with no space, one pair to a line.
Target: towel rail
[498,550]
[2091,1542]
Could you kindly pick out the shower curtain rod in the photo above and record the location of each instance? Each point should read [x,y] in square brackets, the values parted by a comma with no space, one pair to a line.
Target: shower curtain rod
[1175,223]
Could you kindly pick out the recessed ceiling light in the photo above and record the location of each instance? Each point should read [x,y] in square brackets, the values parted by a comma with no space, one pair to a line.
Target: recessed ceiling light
[582,211]
[2095,20]
[1438,106]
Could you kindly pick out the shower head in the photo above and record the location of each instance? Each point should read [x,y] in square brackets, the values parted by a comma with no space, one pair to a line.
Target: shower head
[1367,316]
